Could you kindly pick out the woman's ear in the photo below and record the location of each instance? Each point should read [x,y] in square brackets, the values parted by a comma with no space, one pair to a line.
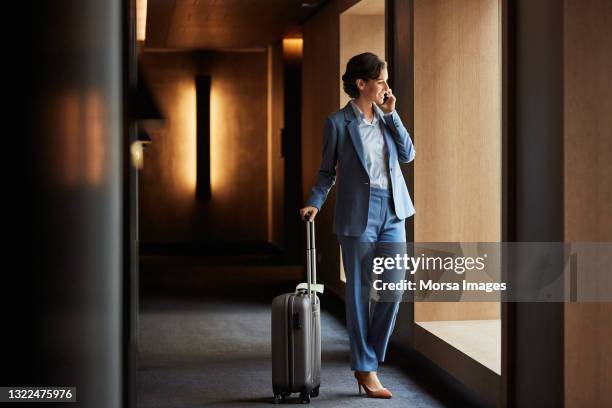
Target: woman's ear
[360,84]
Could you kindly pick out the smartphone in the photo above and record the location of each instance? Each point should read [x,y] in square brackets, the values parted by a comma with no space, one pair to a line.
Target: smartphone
[385,98]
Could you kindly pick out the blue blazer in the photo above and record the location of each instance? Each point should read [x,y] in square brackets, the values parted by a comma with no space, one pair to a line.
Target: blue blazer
[343,156]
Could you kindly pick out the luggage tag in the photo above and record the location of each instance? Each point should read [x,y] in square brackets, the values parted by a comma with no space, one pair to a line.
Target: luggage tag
[317,287]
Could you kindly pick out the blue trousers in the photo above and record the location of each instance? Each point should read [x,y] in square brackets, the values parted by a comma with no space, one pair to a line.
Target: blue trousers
[370,323]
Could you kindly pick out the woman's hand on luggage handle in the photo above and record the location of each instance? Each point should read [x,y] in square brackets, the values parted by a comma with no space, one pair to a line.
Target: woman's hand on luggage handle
[308,213]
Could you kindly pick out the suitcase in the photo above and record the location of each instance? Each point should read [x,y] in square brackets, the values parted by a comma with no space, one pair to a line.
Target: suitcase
[296,335]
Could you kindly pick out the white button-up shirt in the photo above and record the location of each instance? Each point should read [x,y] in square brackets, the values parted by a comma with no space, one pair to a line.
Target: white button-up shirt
[374,147]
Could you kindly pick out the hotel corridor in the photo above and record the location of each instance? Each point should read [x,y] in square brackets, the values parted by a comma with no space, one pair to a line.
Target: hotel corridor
[158,153]
[207,343]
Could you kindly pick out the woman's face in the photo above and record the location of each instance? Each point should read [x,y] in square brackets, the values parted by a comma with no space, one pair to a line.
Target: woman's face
[374,89]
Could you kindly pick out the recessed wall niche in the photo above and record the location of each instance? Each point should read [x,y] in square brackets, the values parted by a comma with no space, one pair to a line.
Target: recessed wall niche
[458,179]
[362,29]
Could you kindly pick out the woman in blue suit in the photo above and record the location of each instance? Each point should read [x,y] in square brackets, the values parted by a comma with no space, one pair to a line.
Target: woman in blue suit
[363,144]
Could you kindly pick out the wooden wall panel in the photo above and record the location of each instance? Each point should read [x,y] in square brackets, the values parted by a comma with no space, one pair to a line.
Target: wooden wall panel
[588,190]
[237,210]
[442,311]
[359,33]
[457,121]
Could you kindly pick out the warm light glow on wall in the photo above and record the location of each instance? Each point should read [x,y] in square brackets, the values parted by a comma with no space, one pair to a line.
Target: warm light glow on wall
[141,19]
[93,138]
[78,156]
[184,129]
[292,48]
[216,147]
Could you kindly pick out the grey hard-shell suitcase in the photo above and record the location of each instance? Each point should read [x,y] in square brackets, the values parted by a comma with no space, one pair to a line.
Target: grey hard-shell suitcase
[296,335]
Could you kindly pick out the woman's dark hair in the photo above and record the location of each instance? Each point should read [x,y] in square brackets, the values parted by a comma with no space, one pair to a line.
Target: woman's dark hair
[362,66]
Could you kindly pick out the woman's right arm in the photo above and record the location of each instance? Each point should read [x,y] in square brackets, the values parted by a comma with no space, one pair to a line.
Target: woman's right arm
[326,177]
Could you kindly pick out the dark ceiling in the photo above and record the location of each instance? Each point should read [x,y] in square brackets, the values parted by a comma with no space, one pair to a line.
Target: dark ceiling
[223,24]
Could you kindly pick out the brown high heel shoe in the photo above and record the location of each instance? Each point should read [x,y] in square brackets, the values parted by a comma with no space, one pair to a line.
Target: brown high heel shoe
[381,393]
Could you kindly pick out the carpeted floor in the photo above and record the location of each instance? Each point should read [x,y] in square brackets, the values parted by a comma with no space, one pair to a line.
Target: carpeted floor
[213,350]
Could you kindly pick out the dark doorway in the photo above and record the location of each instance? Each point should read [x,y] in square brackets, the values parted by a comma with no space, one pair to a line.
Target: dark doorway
[291,139]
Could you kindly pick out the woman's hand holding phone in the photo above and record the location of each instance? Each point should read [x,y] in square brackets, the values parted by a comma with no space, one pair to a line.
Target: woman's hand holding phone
[389,104]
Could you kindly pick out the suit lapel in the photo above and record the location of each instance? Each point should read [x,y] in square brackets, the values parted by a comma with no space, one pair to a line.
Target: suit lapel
[353,128]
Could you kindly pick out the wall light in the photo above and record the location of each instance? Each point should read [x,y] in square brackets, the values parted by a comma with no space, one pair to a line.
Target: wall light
[292,48]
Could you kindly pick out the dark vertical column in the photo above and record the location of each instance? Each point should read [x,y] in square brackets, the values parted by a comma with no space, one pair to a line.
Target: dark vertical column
[61,292]
[400,57]
[508,191]
[202,85]
[537,328]
[401,65]
[291,139]
[130,280]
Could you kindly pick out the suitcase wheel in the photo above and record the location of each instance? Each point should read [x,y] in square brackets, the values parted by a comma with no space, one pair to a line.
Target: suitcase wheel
[315,392]
[305,398]
[277,399]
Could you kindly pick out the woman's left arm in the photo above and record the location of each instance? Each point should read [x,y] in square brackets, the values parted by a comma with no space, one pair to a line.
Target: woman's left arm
[405,148]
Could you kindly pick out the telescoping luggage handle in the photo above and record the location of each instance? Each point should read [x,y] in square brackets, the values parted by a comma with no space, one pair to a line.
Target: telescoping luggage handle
[311,260]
